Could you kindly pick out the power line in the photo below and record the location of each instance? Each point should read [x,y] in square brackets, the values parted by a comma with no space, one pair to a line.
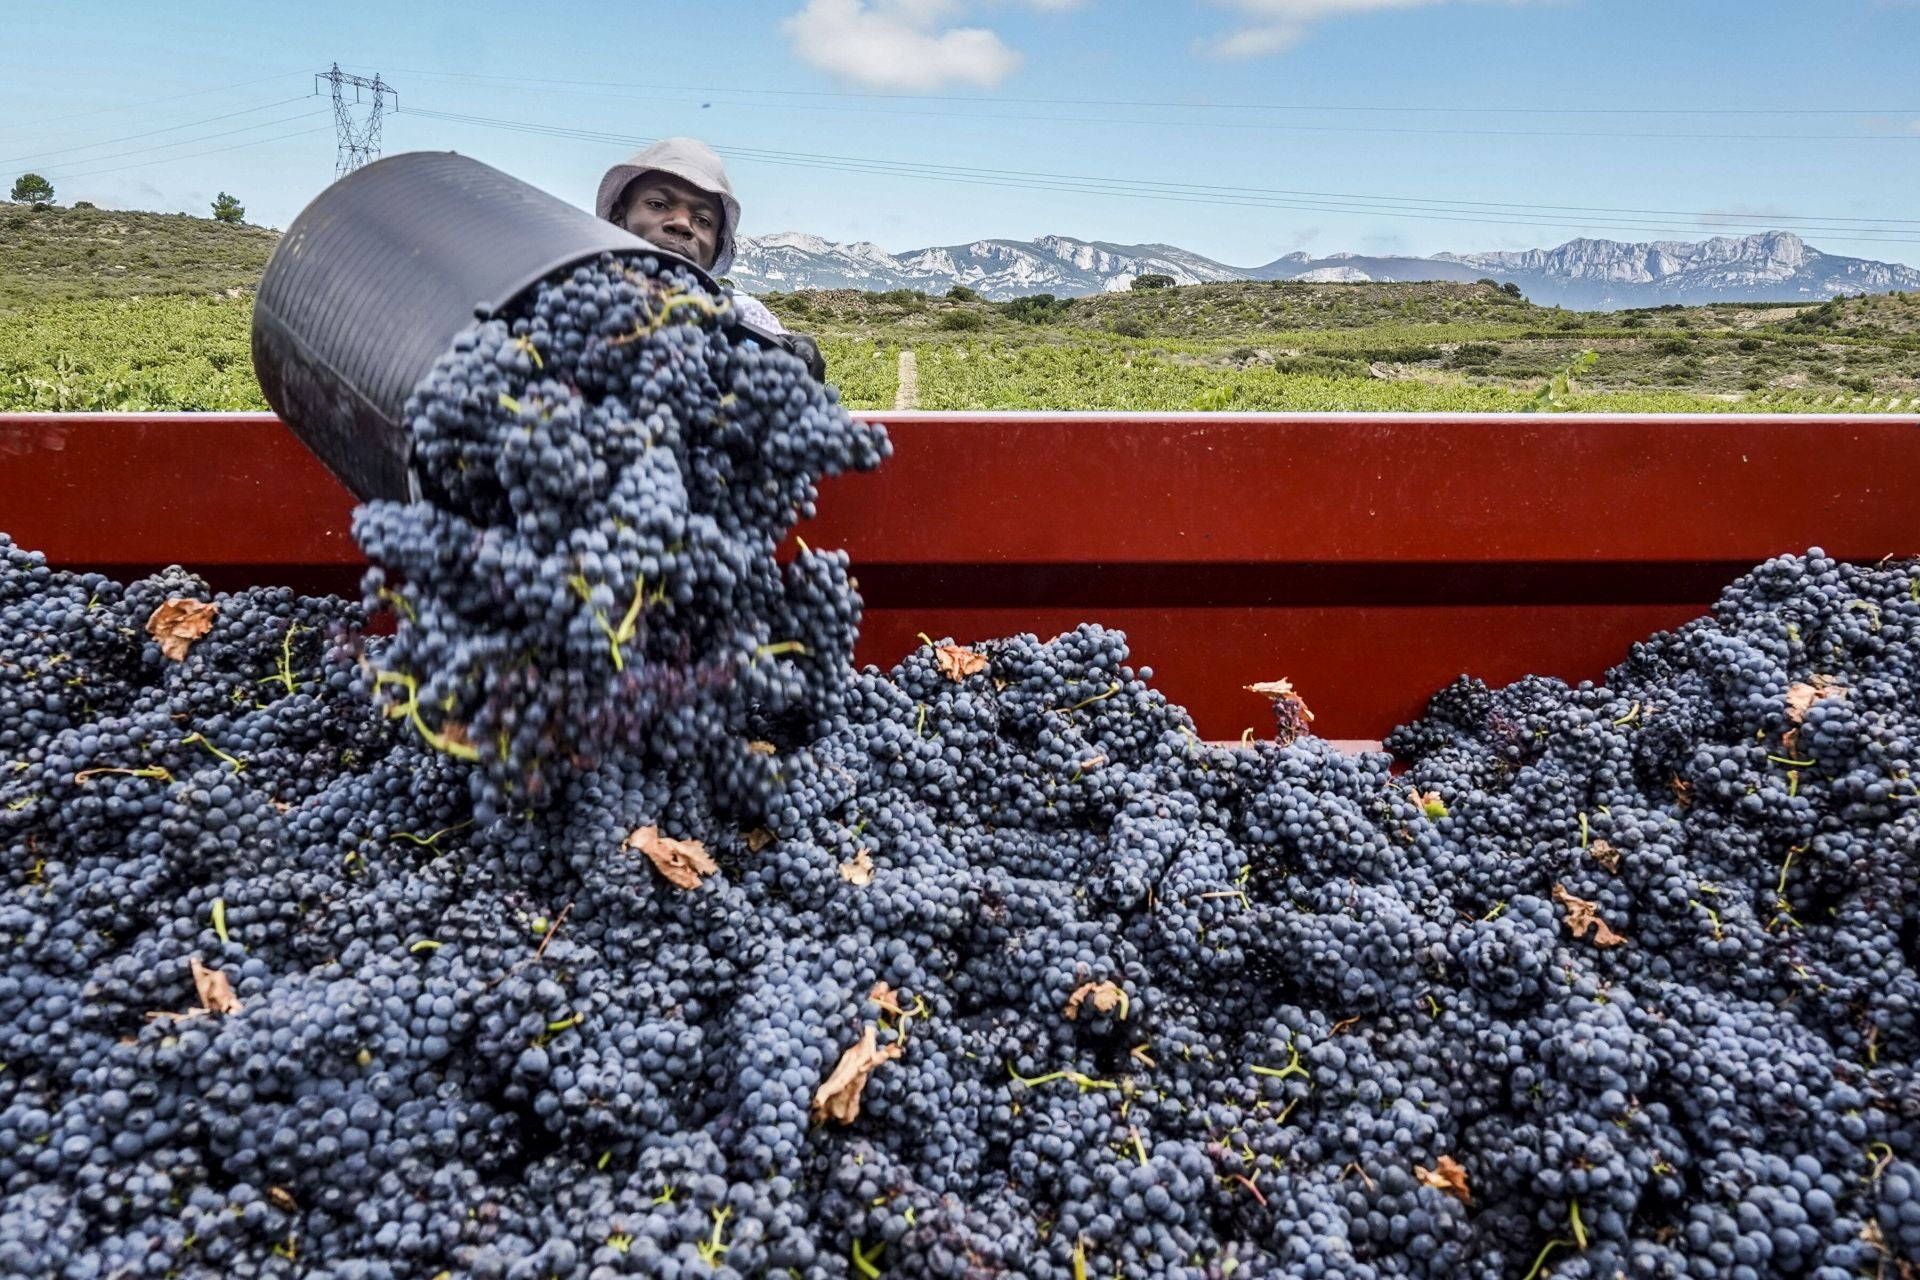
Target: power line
[186,142]
[1197,106]
[1478,213]
[211,151]
[1274,127]
[150,102]
[191,124]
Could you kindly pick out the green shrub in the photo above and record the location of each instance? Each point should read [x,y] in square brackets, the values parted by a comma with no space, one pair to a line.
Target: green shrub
[1320,366]
[1036,308]
[1128,327]
[1752,344]
[1410,354]
[1672,346]
[1152,280]
[960,293]
[960,320]
[1478,353]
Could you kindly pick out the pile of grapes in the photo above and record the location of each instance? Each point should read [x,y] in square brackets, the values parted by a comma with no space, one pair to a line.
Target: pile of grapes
[604,921]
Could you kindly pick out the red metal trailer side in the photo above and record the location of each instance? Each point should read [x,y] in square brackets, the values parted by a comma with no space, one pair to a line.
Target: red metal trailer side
[1369,558]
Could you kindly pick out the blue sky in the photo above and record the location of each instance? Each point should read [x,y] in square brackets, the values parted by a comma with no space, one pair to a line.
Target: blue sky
[1241,129]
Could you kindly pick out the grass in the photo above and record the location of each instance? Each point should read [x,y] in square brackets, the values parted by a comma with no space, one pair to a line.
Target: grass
[149,354]
[104,310]
[1418,347]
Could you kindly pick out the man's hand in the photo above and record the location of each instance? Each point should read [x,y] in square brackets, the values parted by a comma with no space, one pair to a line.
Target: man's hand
[798,345]
[808,350]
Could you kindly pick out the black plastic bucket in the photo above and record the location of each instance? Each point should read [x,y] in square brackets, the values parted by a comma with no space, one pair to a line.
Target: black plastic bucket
[375,279]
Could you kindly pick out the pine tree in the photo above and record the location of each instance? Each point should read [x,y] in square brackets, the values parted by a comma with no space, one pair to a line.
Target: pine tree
[31,188]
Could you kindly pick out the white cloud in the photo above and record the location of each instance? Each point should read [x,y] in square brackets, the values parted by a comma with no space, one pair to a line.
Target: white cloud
[1274,26]
[900,44]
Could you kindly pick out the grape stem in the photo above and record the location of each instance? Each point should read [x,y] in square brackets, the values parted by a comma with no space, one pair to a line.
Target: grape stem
[428,842]
[1540,1259]
[233,762]
[1087,702]
[411,709]
[285,674]
[1293,1068]
[1085,1082]
[150,771]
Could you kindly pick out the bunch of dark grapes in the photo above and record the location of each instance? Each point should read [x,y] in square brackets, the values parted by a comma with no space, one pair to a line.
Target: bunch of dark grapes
[606,476]
[651,939]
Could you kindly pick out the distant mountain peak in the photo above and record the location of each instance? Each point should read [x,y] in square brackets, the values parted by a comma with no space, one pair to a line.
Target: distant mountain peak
[1583,273]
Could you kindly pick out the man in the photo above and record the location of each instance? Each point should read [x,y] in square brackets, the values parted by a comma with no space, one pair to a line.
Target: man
[676,195]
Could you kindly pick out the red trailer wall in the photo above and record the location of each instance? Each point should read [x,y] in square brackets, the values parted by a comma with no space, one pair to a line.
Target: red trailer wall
[1368,558]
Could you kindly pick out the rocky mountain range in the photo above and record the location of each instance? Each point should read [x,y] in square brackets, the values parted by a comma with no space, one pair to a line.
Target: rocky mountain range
[1598,275]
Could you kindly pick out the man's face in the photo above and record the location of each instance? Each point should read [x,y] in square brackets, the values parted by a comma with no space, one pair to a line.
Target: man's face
[675,215]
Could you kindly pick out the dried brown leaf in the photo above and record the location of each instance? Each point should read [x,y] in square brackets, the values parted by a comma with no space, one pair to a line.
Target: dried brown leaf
[1603,852]
[1876,1239]
[284,1198]
[1273,689]
[1802,695]
[1105,996]
[1447,1175]
[761,748]
[859,870]
[957,664]
[1580,918]
[838,1097]
[1682,791]
[683,862]
[178,622]
[758,839]
[216,993]
[1291,716]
